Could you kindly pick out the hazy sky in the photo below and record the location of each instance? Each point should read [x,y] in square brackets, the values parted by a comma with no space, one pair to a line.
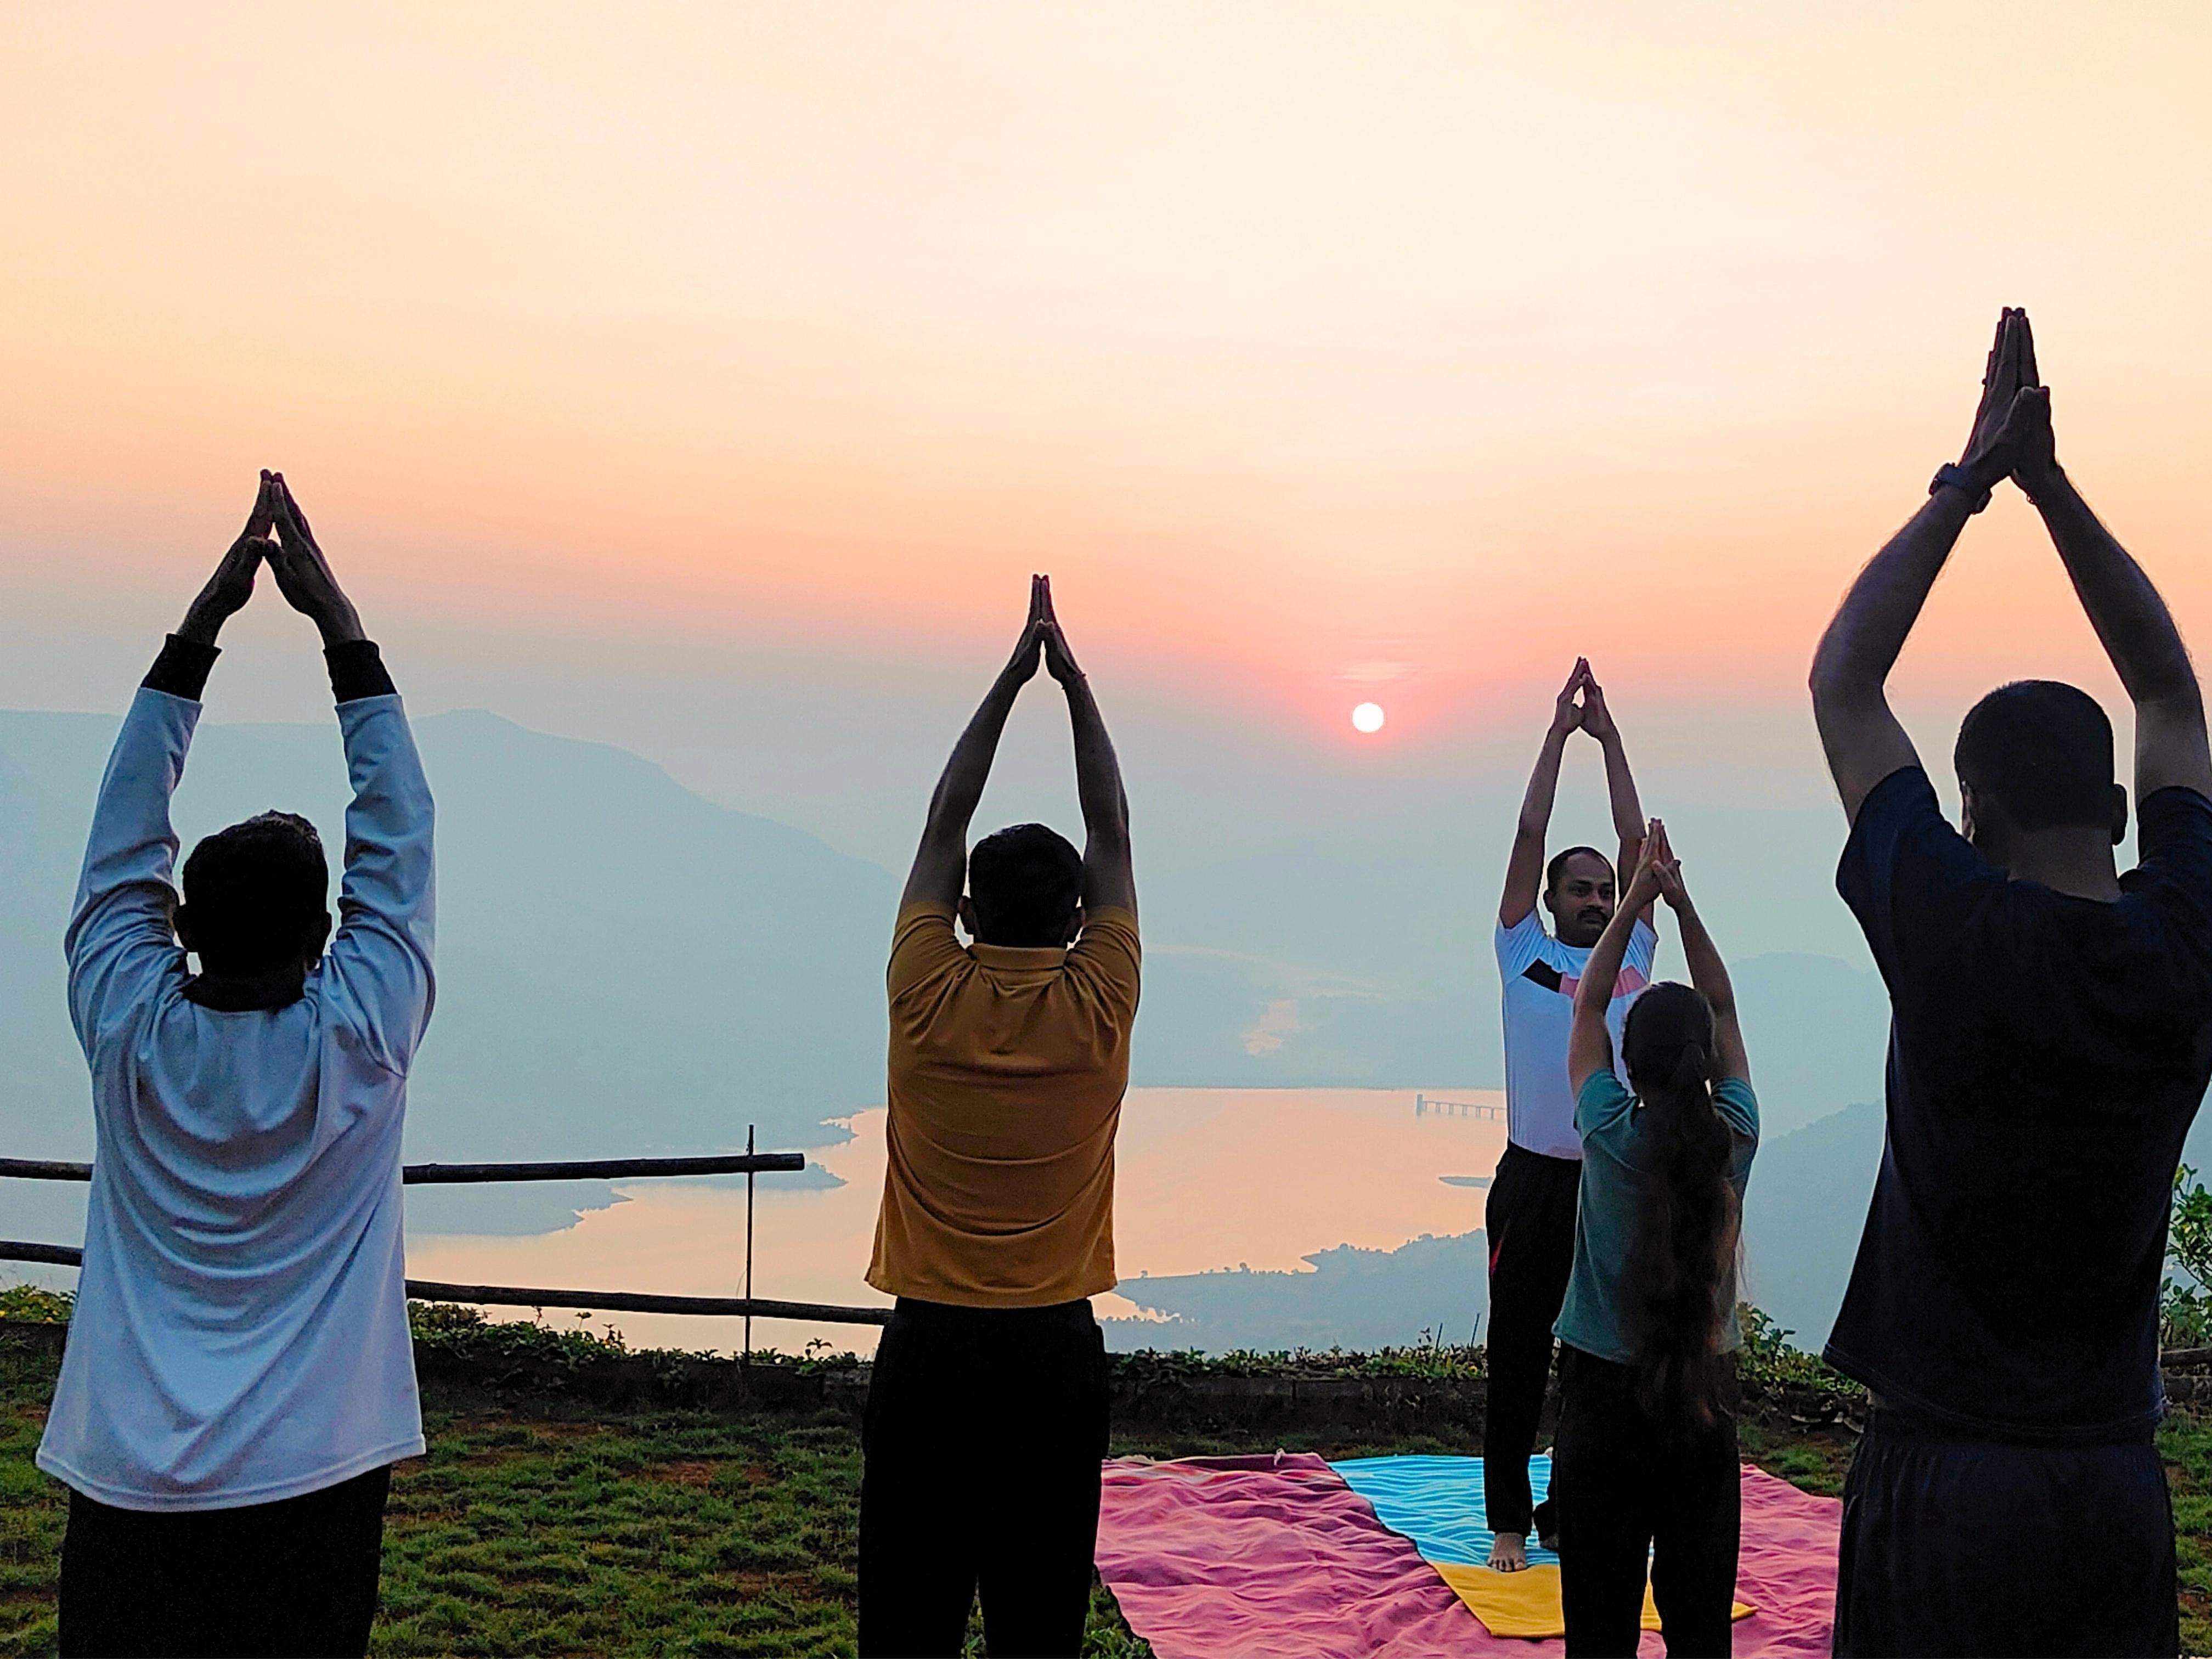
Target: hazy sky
[708,378]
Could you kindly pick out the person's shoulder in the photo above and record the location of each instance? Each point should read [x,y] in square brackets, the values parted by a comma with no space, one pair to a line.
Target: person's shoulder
[1603,1091]
[1111,922]
[1903,801]
[1530,926]
[1900,829]
[1109,949]
[2174,825]
[1604,1111]
[1528,941]
[1737,1099]
[922,942]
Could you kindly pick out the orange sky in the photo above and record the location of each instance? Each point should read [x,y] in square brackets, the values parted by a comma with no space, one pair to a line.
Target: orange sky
[1321,352]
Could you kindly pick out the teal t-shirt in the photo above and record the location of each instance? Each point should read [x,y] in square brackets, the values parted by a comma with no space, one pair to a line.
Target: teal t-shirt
[1617,1160]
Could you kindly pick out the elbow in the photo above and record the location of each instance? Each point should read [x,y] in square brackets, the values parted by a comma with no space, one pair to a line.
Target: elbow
[1109,826]
[1837,675]
[1828,680]
[1842,687]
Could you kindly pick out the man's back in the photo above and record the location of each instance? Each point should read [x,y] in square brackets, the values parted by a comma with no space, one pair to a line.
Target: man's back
[243,1241]
[1007,1069]
[2047,1056]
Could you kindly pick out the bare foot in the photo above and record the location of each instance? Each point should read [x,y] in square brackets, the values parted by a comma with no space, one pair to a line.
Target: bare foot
[1509,1551]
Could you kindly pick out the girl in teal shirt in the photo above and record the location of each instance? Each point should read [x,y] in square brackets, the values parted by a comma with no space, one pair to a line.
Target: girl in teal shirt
[1644,1467]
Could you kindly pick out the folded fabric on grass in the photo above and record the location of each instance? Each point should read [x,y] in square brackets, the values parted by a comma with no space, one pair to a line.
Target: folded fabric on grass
[1437,1502]
[1785,1572]
[1274,1555]
[1278,1555]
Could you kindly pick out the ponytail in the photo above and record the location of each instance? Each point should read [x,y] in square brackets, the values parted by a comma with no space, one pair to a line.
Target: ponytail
[1680,1271]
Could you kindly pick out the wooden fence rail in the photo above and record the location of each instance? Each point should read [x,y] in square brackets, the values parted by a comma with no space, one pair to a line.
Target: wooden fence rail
[516,1296]
[447,1175]
[747,1163]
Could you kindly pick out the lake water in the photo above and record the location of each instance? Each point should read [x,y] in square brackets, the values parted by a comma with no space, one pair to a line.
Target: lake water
[1208,1179]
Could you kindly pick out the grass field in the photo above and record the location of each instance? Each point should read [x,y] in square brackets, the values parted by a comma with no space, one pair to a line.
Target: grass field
[569,1529]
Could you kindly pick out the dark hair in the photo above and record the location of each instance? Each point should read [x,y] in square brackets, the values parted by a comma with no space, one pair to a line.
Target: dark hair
[2043,751]
[1680,1269]
[1559,863]
[1025,883]
[256,894]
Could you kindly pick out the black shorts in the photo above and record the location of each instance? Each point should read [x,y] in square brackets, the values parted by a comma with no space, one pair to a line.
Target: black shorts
[1954,1545]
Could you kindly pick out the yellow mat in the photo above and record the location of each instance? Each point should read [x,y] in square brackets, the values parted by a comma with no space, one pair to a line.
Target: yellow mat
[1526,1603]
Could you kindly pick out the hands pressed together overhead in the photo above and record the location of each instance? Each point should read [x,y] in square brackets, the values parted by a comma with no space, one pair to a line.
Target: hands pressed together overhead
[277,532]
[1658,872]
[1589,714]
[2011,436]
[1041,639]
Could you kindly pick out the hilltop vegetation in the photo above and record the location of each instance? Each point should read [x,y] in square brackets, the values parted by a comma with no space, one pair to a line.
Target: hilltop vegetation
[549,1523]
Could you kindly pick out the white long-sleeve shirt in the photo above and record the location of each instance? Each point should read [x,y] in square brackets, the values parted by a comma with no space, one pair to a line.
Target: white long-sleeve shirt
[240,1330]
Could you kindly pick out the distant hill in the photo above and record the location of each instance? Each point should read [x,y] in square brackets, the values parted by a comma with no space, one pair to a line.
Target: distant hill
[628,967]
[1803,1215]
[1353,1299]
[624,967]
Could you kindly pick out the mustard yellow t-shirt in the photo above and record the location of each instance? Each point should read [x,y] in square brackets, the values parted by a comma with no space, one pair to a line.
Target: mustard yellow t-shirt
[1007,1069]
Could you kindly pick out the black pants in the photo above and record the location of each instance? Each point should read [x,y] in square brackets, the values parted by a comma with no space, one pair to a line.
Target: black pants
[1632,1491]
[984,1433]
[1530,1219]
[295,1578]
[1955,1545]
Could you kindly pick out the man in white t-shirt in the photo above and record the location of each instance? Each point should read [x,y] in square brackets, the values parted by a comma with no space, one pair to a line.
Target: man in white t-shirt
[1530,1214]
[239,1379]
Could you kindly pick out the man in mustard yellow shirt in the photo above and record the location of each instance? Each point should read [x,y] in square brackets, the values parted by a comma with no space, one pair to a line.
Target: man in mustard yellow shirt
[987,1421]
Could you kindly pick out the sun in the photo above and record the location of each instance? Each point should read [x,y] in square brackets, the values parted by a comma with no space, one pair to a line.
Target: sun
[1368,717]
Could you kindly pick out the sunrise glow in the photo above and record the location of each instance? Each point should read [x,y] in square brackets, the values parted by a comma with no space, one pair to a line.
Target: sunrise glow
[817,323]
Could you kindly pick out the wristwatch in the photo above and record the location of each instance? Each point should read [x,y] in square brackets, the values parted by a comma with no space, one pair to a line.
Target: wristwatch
[1957,477]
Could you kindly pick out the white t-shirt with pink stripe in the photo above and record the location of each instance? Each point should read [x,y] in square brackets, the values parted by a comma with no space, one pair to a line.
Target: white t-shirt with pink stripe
[1539,975]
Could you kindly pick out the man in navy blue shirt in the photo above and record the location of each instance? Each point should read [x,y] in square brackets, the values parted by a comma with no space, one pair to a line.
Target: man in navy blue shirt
[2050,1041]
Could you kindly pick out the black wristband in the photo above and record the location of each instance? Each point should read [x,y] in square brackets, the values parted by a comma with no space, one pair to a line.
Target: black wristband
[1956,476]
[357,671]
[181,670]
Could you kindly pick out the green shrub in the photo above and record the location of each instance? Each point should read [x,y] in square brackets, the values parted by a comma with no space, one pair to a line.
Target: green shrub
[2184,1304]
[39,1307]
[1768,1361]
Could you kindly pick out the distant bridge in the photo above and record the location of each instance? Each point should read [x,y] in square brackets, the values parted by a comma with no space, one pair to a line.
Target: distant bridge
[1424,1105]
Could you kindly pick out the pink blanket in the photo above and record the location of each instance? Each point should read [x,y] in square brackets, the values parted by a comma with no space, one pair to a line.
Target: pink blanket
[1276,1555]
[1214,1556]
[1786,1568]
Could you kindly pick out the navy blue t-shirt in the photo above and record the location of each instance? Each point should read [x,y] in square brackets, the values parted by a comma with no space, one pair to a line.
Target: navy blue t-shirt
[2046,1056]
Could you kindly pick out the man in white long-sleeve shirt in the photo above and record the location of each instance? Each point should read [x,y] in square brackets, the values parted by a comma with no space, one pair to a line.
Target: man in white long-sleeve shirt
[239,1379]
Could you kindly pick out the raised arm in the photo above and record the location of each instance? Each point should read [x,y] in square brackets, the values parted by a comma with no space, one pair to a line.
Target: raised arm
[1707,971]
[1524,870]
[1620,781]
[1109,878]
[940,863]
[2132,622]
[387,900]
[1589,1041]
[1864,740]
[121,929]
